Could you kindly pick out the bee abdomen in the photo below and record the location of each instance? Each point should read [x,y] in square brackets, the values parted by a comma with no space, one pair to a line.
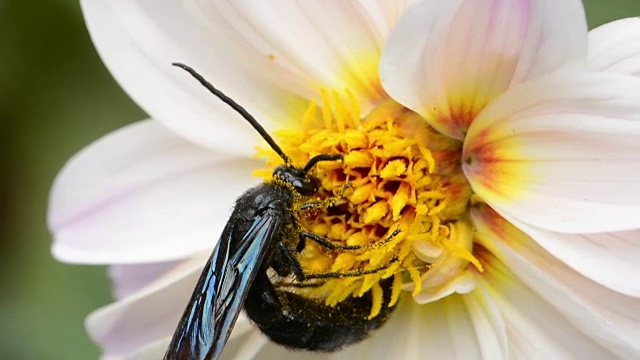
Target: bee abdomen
[298,322]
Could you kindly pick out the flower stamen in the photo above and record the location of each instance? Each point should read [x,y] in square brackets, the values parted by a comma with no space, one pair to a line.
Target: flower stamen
[403,214]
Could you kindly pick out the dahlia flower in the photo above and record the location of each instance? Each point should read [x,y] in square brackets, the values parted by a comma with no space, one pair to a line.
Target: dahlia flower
[499,136]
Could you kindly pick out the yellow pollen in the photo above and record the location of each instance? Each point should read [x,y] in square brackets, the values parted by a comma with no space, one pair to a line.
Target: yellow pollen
[376,293]
[395,289]
[376,212]
[415,277]
[399,215]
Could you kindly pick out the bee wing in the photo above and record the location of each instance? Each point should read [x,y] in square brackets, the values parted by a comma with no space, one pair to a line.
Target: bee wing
[219,295]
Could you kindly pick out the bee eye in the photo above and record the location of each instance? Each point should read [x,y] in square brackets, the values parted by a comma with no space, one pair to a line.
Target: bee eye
[305,187]
[303,184]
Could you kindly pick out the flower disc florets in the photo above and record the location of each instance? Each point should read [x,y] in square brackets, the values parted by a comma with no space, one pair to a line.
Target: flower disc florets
[404,208]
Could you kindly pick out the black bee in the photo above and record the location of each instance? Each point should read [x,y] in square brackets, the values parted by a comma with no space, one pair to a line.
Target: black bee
[263,232]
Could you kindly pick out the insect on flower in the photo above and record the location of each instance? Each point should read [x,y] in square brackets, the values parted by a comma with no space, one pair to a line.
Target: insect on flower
[264,233]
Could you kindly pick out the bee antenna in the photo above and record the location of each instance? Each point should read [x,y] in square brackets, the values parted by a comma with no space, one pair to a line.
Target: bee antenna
[239,109]
[322,157]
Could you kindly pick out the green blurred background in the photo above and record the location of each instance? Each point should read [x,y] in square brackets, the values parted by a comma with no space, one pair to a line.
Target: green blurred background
[55,98]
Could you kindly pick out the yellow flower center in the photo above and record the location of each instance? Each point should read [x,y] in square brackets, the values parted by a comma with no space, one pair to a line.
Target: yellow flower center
[404,211]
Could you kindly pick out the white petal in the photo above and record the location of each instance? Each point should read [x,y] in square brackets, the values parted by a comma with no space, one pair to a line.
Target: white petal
[250,346]
[151,314]
[487,323]
[128,279]
[437,330]
[561,153]
[441,329]
[447,274]
[550,306]
[151,351]
[308,45]
[448,59]
[234,349]
[610,259]
[615,47]
[138,41]
[142,194]
[535,328]
[273,351]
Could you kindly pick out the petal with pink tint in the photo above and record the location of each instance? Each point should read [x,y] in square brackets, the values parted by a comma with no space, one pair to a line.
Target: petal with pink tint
[152,351]
[561,153]
[139,39]
[128,279]
[237,348]
[544,301]
[310,45]
[143,194]
[448,59]
[147,316]
[151,314]
[615,47]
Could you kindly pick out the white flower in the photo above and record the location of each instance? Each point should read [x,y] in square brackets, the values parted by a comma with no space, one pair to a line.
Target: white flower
[548,119]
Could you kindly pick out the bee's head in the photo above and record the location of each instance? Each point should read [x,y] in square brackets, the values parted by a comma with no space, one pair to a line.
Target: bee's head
[303,183]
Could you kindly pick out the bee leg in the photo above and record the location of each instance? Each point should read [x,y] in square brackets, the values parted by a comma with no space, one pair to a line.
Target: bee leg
[279,314]
[323,204]
[292,260]
[320,240]
[355,273]
[301,243]
[323,241]
[263,298]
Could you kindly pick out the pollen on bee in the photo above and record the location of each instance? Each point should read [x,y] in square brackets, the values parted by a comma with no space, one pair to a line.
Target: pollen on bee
[401,199]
